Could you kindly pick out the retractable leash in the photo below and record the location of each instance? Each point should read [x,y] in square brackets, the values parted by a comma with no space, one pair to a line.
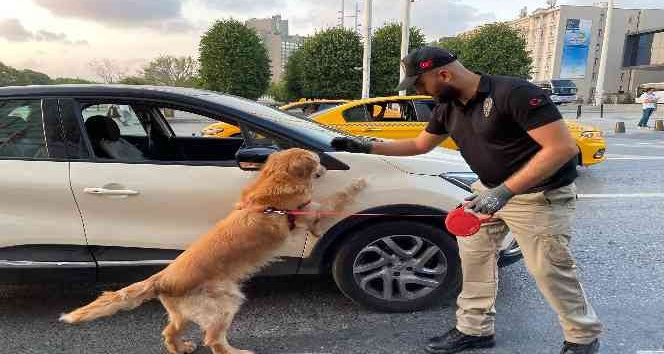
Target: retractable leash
[459,222]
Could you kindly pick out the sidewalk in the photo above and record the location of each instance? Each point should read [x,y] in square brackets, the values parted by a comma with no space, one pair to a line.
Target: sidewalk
[629,114]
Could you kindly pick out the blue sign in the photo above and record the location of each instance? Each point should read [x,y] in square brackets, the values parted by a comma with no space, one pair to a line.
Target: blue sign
[575,49]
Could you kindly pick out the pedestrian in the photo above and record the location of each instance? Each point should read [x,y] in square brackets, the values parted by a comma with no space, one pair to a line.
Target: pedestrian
[649,106]
[513,136]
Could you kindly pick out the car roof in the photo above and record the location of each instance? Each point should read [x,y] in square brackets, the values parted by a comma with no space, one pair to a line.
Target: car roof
[301,103]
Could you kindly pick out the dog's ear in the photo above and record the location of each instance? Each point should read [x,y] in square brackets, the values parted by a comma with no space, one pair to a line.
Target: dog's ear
[302,165]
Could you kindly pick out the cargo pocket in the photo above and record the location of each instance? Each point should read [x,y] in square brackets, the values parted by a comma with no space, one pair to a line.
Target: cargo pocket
[557,250]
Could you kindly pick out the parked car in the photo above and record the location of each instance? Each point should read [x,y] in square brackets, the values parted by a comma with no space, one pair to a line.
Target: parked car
[86,198]
[304,108]
[560,91]
[376,117]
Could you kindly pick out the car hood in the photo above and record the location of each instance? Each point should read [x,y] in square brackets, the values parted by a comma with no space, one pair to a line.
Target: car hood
[435,162]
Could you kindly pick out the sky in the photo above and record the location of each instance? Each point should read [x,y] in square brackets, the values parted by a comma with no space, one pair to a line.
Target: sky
[62,37]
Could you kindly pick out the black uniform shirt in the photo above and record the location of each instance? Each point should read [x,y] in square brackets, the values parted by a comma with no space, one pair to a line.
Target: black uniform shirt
[491,130]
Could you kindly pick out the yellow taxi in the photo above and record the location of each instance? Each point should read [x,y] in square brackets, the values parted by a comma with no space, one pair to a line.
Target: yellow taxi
[402,117]
[302,108]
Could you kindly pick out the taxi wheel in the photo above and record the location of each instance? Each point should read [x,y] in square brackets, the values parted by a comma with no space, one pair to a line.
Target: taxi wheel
[399,266]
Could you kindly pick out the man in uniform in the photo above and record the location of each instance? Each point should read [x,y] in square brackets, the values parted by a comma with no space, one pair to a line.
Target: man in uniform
[514,138]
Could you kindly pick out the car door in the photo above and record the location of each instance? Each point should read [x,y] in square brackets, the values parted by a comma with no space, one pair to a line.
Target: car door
[39,222]
[147,210]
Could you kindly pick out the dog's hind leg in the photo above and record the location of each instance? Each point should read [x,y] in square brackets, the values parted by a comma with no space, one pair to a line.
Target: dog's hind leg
[176,326]
[229,301]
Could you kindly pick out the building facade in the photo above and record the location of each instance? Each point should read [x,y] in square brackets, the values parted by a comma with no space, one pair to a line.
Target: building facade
[565,42]
[279,44]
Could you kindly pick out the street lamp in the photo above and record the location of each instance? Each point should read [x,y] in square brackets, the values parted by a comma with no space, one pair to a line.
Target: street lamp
[366,62]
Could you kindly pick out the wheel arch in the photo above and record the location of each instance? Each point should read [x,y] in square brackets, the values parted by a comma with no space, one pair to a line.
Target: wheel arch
[321,257]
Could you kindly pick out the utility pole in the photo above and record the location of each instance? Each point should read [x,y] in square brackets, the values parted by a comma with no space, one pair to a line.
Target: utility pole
[405,37]
[357,15]
[366,65]
[601,77]
[343,13]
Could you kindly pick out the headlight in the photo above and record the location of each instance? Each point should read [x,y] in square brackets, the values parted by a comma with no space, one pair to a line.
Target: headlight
[462,180]
[591,134]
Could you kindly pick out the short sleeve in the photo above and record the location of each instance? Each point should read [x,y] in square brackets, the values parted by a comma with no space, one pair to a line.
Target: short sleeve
[532,108]
[437,123]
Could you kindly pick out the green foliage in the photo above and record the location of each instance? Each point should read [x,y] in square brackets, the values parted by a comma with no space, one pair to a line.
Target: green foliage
[171,71]
[329,62]
[233,59]
[279,92]
[69,80]
[493,49]
[134,80]
[386,57]
[13,77]
[293,76]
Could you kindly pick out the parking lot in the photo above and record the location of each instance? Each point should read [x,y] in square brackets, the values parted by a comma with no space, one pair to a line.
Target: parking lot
[618,243]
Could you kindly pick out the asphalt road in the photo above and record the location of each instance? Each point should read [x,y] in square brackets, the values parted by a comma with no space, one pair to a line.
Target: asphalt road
[618,243]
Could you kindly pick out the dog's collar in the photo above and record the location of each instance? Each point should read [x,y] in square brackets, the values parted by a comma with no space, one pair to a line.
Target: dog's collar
[289,216]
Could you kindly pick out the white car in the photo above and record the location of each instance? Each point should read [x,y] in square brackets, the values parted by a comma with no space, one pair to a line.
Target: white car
[89,197]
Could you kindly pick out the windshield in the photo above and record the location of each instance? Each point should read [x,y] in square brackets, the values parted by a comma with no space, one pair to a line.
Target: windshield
[314,130]
[563,83]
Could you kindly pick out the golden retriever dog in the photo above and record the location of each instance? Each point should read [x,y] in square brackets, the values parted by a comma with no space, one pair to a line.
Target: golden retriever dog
[202,285]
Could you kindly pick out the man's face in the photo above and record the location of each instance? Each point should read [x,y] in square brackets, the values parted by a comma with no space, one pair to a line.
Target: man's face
[437,84]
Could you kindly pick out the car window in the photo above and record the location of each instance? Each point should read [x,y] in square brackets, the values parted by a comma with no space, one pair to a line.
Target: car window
[424,109]
[22,129]
[123,115]
[356,114]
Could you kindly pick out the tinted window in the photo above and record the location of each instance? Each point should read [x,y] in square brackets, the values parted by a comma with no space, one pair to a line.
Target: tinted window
[356,114]
[563,83]
[123,115]
[22,129]
[424,110]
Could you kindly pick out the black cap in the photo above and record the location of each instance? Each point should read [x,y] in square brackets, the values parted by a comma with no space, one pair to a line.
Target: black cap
[422,60]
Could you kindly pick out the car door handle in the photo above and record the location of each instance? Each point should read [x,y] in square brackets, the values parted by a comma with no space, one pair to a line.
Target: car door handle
[105,191]
[372,130]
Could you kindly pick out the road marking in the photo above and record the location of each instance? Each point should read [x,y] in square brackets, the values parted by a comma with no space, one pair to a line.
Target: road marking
[621,195]
[632,157]
[656,146]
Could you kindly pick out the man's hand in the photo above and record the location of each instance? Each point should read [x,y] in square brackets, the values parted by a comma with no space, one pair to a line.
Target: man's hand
[352,144]
[489,201]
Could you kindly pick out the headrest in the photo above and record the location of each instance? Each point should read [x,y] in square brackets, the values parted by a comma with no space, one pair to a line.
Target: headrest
[102,127]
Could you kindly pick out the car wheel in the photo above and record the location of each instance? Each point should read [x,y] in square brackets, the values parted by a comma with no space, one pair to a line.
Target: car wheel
[399,266]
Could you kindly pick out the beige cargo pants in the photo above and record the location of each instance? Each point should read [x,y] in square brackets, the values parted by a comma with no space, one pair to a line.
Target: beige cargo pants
[541,224]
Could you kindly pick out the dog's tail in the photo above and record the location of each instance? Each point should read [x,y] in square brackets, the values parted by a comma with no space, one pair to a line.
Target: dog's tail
[110,302]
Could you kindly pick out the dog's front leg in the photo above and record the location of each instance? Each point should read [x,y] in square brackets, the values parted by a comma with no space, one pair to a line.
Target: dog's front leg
[336,202]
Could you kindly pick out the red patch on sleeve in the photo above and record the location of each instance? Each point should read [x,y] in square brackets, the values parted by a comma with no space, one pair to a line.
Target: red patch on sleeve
[535,102]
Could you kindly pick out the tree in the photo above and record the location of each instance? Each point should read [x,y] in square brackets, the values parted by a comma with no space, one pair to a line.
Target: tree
[493,49]
[134,80]
[171,71]
[12,77]
[69,80]
[110,71]
[386,56]
[293,75]
[233,59]
[278,92]
[330,63]
[8,75]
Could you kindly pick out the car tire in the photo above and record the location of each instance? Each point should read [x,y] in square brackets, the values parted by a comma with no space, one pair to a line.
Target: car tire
[396,251]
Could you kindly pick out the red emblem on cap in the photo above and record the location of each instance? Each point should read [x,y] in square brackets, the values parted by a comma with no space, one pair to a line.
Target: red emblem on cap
[535,102]
[426,64]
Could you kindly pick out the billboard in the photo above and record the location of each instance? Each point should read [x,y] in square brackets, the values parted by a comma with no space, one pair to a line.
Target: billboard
[575,48]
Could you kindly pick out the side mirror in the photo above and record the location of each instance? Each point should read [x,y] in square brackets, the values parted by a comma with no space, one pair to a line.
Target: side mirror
[253,158]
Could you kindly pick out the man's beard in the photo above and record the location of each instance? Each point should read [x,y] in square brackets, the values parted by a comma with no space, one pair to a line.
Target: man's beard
[448,94]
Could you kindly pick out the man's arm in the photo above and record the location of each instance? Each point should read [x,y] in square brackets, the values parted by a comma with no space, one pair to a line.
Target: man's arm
[421,144]
[558,147]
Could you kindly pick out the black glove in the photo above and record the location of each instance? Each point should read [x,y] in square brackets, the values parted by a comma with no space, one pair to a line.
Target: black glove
[489,201]
[352,144]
